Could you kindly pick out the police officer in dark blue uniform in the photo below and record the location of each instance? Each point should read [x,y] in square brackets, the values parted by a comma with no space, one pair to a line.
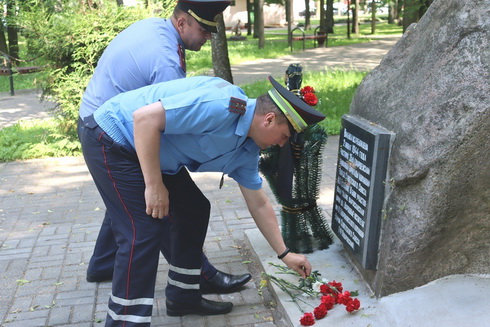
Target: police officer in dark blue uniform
[195,124]
[148,52]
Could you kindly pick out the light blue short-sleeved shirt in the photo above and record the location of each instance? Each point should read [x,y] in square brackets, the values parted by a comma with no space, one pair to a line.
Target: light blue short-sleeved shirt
[201,132]
[145,53]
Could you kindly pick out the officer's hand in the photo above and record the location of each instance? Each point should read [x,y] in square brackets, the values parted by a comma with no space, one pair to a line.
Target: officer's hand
[298,263]
[157,203]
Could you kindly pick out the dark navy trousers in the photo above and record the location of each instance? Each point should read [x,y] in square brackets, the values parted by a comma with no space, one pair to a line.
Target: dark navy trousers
[102,260]
[139,237]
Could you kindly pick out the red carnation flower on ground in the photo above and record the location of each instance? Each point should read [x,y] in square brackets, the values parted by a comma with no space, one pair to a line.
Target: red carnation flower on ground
[328,301]
[331,294]
[353,305]
[343,298]
[337,286]
[320,311]
[307,319]
[326,289]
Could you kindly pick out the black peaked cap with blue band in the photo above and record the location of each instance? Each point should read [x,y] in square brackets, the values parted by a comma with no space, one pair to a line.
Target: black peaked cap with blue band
[299,114]
[204,11]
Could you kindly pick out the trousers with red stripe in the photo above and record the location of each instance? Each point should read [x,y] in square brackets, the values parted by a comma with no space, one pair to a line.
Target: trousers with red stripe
[118,177]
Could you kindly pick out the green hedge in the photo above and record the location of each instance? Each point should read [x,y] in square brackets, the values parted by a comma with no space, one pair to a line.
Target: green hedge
[69,42]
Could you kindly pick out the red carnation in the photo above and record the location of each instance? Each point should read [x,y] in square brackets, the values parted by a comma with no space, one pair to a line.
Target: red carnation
[325,289]
[353,305]
[307,319]
[307,89]
[337,286]
[310,99]
[344,298]
[320,311]
[328,301]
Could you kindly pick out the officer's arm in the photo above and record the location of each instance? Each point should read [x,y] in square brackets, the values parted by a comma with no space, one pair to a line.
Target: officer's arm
[149,122]
[263,213]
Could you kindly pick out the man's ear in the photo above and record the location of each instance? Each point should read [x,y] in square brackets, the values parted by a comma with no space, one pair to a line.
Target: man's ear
[269,118]
[181,23]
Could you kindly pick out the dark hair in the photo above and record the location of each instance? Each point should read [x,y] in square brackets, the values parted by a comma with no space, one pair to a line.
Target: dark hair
[265,104]
[179,13]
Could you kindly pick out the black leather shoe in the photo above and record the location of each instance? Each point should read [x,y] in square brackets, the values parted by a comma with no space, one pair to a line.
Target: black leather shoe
[224,283]
[204,308]
[98,278]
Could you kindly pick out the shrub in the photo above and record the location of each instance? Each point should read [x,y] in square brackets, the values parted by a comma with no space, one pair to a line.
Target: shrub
[35,139]
[69,43]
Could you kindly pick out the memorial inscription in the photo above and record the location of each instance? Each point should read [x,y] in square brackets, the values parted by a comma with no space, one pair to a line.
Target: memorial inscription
[359,188]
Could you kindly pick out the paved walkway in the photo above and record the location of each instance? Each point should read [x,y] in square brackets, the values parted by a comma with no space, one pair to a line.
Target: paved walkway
[361,56]
[50,214]
[24,105]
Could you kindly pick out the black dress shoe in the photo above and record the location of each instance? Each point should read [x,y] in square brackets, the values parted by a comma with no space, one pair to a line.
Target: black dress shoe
[204,308]
[224,283]
[98,278]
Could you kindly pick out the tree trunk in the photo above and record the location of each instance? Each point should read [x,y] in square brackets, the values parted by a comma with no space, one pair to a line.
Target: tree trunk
[413,10]
[3,45]
[249,17]
[322,13]
[259,22]
[12,33]
[329,17]
[219,45]
[289,19]
[307,15]
[256,18]
[373,17]
[355,18]
[348,18]
[410,13]
[392,12]
[424,5]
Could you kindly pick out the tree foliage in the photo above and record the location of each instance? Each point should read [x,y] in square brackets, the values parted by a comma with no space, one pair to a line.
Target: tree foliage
[69,40]
[413,10]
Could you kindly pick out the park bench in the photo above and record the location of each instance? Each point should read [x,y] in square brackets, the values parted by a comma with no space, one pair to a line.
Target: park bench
[7,71]
[10,71]
[320,36]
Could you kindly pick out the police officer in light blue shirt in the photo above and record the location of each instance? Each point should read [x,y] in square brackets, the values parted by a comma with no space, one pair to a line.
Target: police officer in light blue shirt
[125,67]
[196,124]
[148,52]
[198,128]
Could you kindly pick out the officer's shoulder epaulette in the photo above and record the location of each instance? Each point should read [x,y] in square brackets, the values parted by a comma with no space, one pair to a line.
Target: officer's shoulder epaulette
[237,105]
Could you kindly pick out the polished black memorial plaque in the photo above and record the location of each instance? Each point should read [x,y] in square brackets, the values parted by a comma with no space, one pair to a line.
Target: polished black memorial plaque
[360,185]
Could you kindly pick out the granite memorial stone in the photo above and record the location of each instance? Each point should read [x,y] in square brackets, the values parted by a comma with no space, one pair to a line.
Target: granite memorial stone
[432,90]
